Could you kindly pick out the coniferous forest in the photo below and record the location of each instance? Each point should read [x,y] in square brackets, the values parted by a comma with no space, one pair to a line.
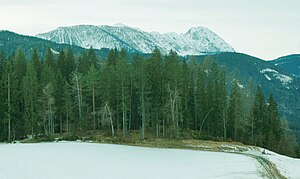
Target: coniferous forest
[162,96]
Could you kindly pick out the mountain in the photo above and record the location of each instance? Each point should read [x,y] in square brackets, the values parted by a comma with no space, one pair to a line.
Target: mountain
[290,64]
[10,41]
[283,85]
[196,41]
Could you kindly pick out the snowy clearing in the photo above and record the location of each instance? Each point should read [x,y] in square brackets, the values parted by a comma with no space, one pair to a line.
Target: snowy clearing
[87,160]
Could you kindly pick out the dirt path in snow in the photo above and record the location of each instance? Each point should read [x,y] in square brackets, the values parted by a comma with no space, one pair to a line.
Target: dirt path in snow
[269,169]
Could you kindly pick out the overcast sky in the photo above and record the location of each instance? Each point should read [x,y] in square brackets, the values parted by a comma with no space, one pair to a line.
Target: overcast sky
[262,28]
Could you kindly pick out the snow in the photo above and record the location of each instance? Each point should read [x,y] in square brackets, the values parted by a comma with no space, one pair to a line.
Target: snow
[87,160]
[268,70]
[284,79]
[268,78]
[289,167]
[196,41]
[54,52]
[240,85]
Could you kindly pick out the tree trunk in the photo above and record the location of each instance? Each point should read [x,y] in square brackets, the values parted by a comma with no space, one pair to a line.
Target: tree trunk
[200,130]
[78,98]
[123,111]
[224,123]
[67,119]
[195,108]
[143,114]
[60,125]
[94,110]
[107,111]
[9,107]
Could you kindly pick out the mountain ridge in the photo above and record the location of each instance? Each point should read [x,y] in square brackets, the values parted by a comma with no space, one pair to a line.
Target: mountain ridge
[196,41]
[289,63]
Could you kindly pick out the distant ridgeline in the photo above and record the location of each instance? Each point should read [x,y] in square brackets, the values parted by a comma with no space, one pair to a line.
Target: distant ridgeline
[165,96]
[10,42]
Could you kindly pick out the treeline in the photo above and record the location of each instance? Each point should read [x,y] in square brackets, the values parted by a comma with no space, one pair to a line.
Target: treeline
[164,96]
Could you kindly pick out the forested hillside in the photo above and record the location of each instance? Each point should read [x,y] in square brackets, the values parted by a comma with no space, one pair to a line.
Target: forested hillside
[10,41]
[164,96]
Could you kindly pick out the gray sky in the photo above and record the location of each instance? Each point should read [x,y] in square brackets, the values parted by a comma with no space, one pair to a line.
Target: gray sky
[262,28]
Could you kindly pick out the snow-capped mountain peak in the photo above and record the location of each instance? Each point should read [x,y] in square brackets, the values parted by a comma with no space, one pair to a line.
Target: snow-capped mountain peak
[196,41]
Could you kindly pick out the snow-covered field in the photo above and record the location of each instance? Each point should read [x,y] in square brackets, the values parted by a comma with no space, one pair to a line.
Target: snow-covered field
[87,160]
[289,167]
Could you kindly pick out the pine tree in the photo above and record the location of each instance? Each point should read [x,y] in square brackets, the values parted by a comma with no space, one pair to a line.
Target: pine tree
[93,57]
[37,63]
[141,85]
[2,95]
[172,81]
[83,64]
[49,58]
[155,81]
[193,97]
[122,71]
[234,112]
[77,92]
[69,64]
[7,101]
[67,101]
[18,72]
[184,90]
[62,64]
[30,90]
[48,109]
[259,122]
[91,82]
[274,132]
[58,84]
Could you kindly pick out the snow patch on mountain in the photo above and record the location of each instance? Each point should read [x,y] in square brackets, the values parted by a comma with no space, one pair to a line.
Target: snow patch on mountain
[240,85]
[196,41]
[268,70]
[268,78]
[54,52]
[284,79]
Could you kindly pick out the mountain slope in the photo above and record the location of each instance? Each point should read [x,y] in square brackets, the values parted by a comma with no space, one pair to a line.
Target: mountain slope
[10,41]
[270,77]
[290,64]
[197,40]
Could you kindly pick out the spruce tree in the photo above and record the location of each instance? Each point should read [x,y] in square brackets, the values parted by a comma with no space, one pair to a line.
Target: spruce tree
[274,132]
[141,84]
[30,91]
[18,72]
[48,109]
[92,57]
[259,122]
[122,71]
[155,81]
[49,58]
[91,83]
[234,112]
